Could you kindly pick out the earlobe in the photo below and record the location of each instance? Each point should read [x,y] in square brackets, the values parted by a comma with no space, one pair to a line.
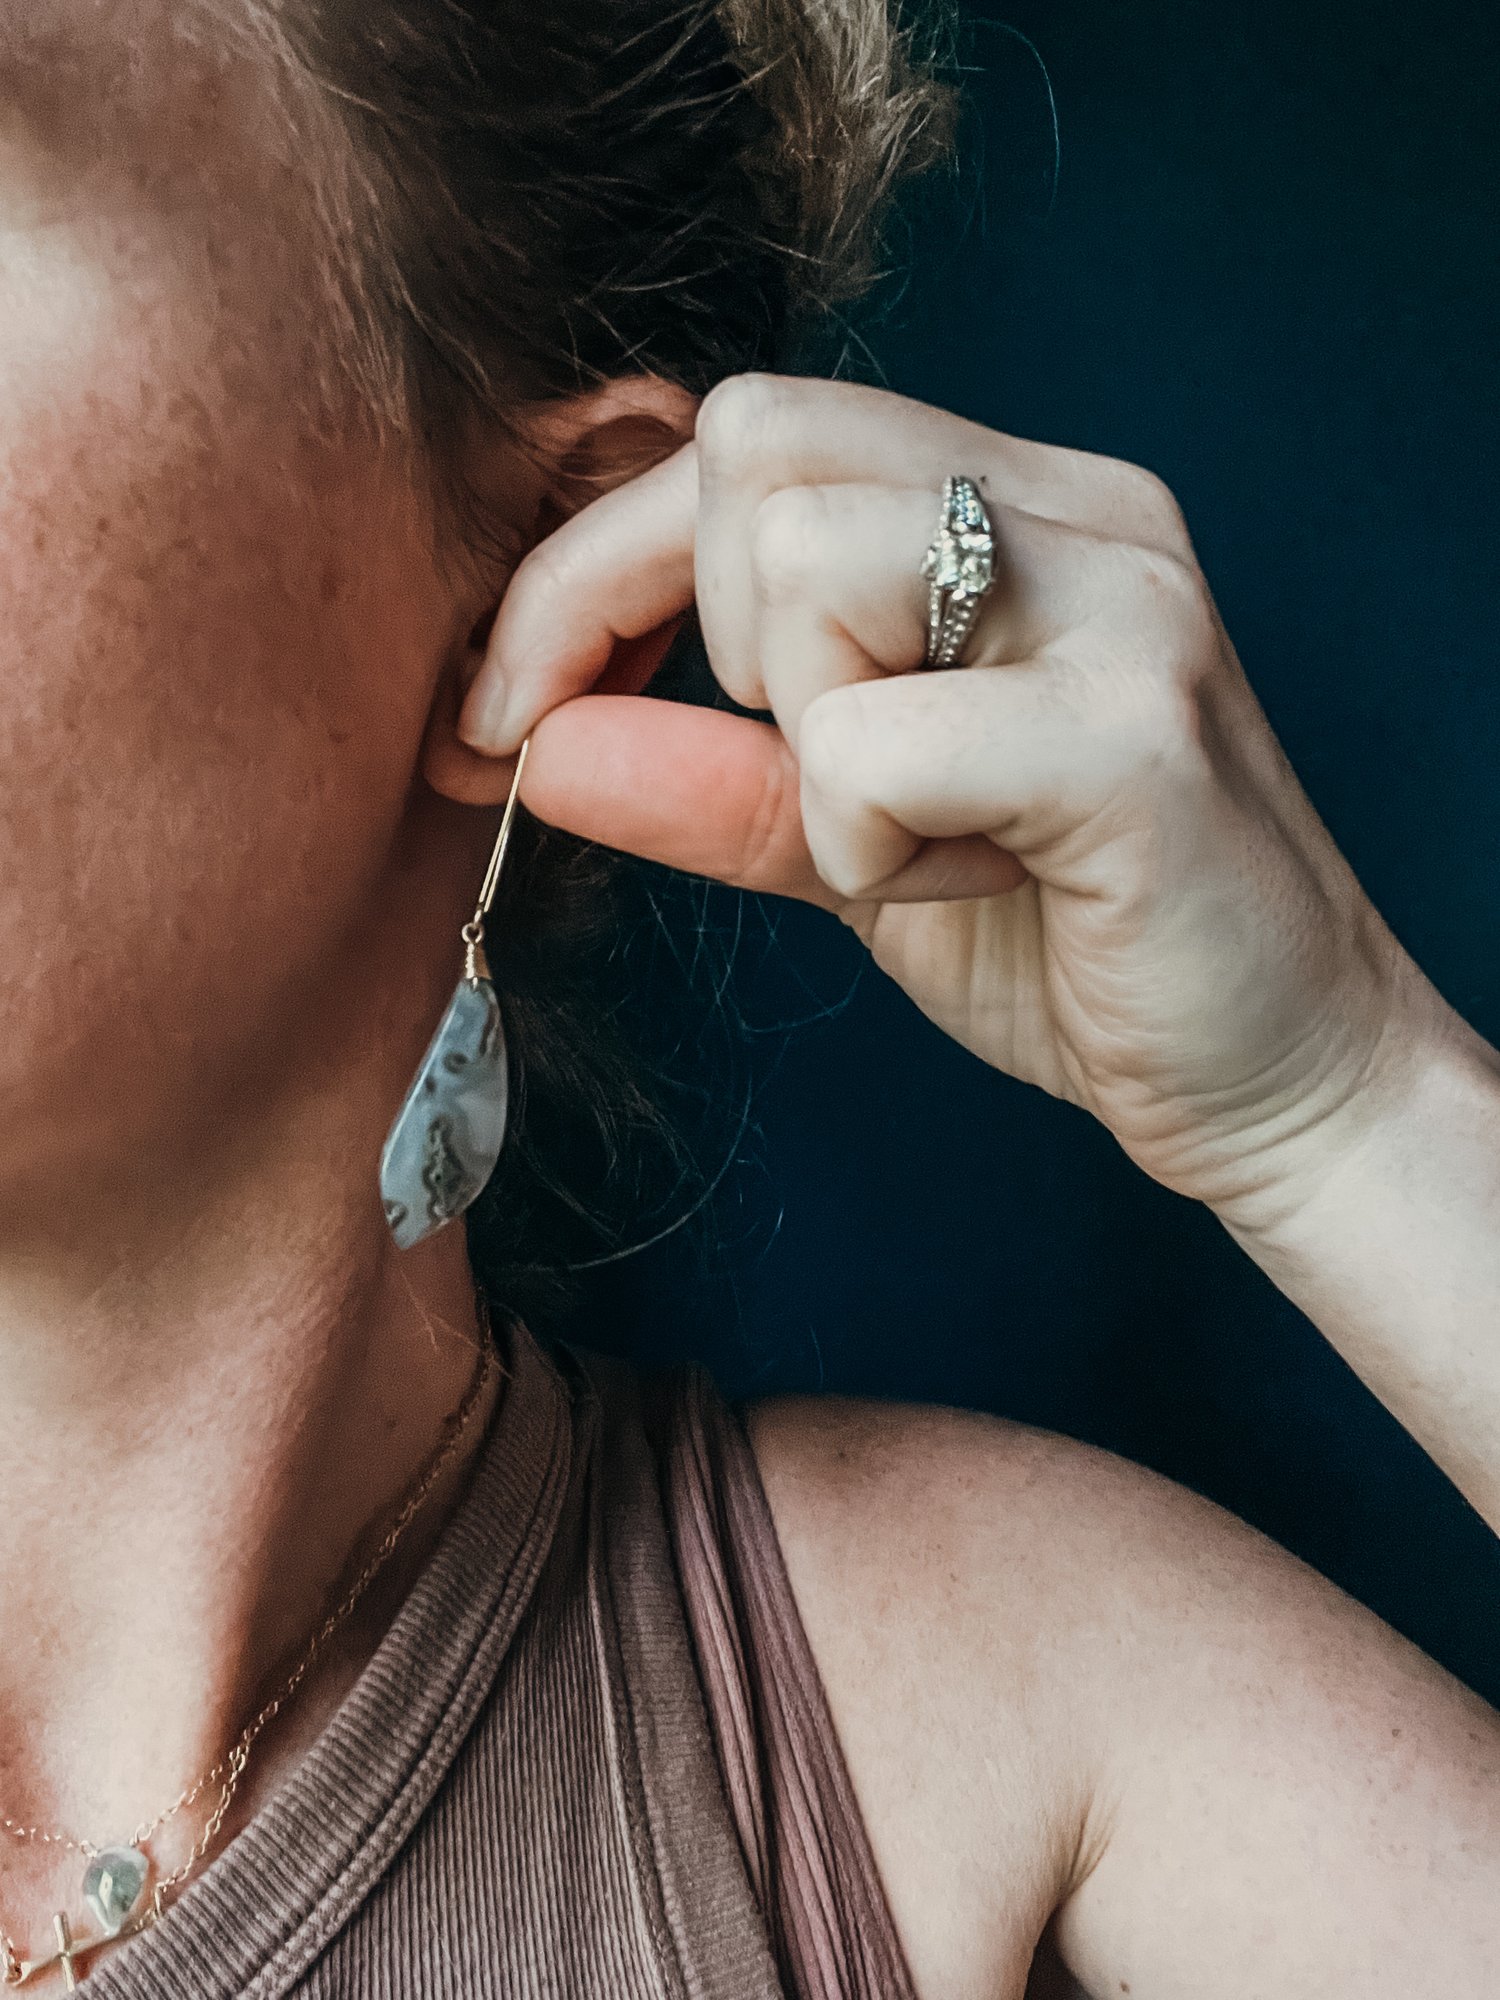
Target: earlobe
[448,764]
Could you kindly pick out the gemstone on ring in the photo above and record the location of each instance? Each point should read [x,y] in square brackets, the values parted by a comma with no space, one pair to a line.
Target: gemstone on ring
[960,569]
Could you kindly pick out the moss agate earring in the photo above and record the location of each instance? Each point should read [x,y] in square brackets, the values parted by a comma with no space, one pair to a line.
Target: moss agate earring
[449,1131]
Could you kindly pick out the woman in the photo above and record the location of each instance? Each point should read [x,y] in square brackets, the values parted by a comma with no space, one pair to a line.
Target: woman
[382,385]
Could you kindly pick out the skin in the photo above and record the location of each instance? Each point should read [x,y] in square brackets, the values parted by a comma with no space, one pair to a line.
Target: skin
[1194,1765]
[227,919]
[236,845]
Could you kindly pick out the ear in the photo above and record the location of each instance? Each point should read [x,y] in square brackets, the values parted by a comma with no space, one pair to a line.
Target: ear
[572,450]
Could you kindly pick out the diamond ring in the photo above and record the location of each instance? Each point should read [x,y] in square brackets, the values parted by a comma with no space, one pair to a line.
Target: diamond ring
[960,570]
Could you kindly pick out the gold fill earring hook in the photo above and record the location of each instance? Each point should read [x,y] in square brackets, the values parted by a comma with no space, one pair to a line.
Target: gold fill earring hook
[477,966]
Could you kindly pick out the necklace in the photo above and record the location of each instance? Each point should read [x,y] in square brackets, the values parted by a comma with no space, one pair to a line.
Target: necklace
[117,1887]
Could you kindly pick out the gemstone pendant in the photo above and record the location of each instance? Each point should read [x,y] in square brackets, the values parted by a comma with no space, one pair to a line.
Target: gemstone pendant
[448,1133]
[114,1884]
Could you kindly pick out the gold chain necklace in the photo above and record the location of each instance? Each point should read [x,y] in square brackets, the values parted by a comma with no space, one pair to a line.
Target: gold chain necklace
[117,1879]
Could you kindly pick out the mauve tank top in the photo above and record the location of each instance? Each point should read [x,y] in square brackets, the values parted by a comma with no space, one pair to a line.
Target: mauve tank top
[591,1758]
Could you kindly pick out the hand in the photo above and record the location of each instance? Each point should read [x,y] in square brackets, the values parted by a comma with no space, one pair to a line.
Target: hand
[1083,853]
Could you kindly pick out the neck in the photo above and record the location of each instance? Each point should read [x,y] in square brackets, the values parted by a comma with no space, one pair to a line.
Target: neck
[208,1421]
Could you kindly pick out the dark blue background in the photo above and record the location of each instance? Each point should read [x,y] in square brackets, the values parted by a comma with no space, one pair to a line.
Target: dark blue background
[1267,269]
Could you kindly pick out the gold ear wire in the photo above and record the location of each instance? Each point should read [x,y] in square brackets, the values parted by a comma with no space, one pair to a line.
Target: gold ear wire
[476,965]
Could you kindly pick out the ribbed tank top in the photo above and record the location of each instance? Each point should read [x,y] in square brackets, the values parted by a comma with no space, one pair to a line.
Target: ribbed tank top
[591,1758]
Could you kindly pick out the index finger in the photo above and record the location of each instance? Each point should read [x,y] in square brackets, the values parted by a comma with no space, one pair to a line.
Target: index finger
[618,569]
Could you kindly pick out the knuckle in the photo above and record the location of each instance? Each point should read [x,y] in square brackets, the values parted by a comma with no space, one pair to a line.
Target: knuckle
[838,863]
[548,568]
[1149,510]
[1170,707]
[544,579]
[1143,487]
[831,734]
[1134,723]
[1160,641]
[846,881]
[784,533]
[769,818]
[834,728]
[1170,590]
[742,685]
[1159,706]
[737,417]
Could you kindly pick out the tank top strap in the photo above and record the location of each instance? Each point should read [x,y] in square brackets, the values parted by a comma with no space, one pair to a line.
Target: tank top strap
[805,1844]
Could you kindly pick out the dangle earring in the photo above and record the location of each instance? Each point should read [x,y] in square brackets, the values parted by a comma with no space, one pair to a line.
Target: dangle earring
[448,1133]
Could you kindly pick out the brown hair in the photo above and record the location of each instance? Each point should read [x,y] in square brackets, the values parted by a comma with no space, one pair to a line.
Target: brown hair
[536,198]
[533,199]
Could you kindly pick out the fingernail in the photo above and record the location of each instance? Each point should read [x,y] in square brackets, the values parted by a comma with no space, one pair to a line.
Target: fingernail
[486,721]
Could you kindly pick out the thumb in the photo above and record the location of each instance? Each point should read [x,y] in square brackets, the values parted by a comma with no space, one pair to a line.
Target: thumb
[692,788]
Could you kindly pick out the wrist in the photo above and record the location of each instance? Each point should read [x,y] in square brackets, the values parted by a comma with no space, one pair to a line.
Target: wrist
[1390,1245]
[1427,1107]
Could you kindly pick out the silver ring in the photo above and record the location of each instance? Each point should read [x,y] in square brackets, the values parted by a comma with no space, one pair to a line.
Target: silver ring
[960,571]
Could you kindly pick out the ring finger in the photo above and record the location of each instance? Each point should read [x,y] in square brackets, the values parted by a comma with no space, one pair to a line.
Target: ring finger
[840,597]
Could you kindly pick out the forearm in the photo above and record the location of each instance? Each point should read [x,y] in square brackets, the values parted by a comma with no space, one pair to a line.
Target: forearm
[1391,1246]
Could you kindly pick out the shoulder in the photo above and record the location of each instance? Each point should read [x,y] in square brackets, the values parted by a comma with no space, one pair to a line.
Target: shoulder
[1056,1674]
[926,1549]
[1017,1545]
[1010,1541]
[982,1517]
